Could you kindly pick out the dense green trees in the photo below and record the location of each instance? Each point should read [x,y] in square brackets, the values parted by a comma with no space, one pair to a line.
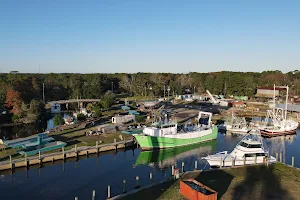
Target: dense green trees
[18,89]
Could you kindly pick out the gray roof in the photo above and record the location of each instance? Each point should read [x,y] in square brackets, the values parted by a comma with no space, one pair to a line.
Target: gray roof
[290,107]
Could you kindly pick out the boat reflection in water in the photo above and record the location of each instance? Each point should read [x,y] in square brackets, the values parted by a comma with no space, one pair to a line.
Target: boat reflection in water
[164,158]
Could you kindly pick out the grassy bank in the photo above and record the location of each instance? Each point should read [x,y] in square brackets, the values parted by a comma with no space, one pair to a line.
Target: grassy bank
[277,181]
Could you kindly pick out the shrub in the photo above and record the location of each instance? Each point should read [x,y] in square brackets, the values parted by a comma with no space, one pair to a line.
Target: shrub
[15,118]
[81,117]
[139,119]
[58,120]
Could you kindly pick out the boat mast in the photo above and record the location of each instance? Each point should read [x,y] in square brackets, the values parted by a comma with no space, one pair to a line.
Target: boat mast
[274,103]
[286,101]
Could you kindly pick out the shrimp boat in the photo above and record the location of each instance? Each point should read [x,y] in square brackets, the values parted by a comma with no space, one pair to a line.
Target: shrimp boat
[280,124]
[168,134]
[249,150]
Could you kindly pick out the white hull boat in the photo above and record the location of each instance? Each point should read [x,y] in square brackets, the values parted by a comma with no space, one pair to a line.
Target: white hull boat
[248,151]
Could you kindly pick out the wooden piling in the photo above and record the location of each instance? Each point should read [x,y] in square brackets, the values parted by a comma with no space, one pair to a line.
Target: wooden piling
[276,157]
[10,161]
[97,149]
[94,195]
[233,162]
[63,152]
[280,157]
[293,160]
[108,191]
[76,198]
[124,186]
[244,160]
[172,170]
[137,182]
[221,162]
[75,150]
[255,159]
[150,176]
[26,163]
[196,165]
[182,167]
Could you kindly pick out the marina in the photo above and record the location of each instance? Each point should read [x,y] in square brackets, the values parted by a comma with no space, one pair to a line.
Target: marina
[97,171]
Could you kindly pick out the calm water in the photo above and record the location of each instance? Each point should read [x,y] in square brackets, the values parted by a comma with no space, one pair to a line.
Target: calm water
[80,178]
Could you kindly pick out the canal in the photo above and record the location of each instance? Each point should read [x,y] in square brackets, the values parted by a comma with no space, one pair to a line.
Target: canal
[65,180]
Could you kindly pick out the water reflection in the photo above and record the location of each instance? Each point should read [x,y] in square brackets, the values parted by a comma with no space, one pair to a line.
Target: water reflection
[165,158]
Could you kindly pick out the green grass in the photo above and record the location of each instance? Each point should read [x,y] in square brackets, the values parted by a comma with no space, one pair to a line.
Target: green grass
[277,181]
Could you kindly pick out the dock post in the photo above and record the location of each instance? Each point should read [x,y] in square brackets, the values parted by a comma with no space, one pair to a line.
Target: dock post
[255,159]
[221,163]
[52,159]
[276,157]
[75,150]
[97,147]
[150,176]
[233,162]
[63,152]
[196,165]
[182,167]
[76,198]
[94,195]
[280,157]
[172,170]
[293,160]
[108,191]
[26,163]
[137,182]
[124,142]
[10,161]
[115,141]
[124,186]
[244,160]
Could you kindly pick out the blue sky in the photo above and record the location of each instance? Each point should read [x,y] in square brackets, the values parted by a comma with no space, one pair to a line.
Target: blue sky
[108,36]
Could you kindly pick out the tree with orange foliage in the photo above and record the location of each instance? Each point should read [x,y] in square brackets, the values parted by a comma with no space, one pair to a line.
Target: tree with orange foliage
[13,100]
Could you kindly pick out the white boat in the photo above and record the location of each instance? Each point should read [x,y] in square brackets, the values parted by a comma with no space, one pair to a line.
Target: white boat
[235,125]
[249,150]
[280,124]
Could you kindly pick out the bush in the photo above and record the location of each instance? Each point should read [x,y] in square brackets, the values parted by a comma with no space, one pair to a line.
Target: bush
[15,118]
[58,120]
[97,112]
[81,117]
[133,104]
[139,119]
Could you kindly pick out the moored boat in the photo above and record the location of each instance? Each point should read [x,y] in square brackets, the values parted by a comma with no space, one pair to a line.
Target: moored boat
[168,134]
[32,150]
[249,150]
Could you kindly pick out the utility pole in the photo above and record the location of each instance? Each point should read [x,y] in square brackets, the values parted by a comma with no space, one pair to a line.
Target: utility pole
[43,92]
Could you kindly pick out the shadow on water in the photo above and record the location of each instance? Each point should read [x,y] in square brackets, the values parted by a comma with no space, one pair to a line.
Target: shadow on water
[260,182]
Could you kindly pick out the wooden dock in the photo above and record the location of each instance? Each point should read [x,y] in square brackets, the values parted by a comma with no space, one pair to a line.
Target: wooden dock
[62,155]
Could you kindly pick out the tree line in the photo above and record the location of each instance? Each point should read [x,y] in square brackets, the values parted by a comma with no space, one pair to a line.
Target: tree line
[19,90]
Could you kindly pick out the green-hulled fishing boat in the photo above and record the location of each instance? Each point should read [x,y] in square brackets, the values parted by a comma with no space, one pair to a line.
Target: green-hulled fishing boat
[169,134]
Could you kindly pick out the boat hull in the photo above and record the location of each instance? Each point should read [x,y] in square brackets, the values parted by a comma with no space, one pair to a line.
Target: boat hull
[239,162]
[153,142]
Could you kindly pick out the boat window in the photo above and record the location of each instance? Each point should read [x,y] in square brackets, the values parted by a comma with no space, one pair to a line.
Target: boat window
[243,144]
[254,146]
[250,155]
